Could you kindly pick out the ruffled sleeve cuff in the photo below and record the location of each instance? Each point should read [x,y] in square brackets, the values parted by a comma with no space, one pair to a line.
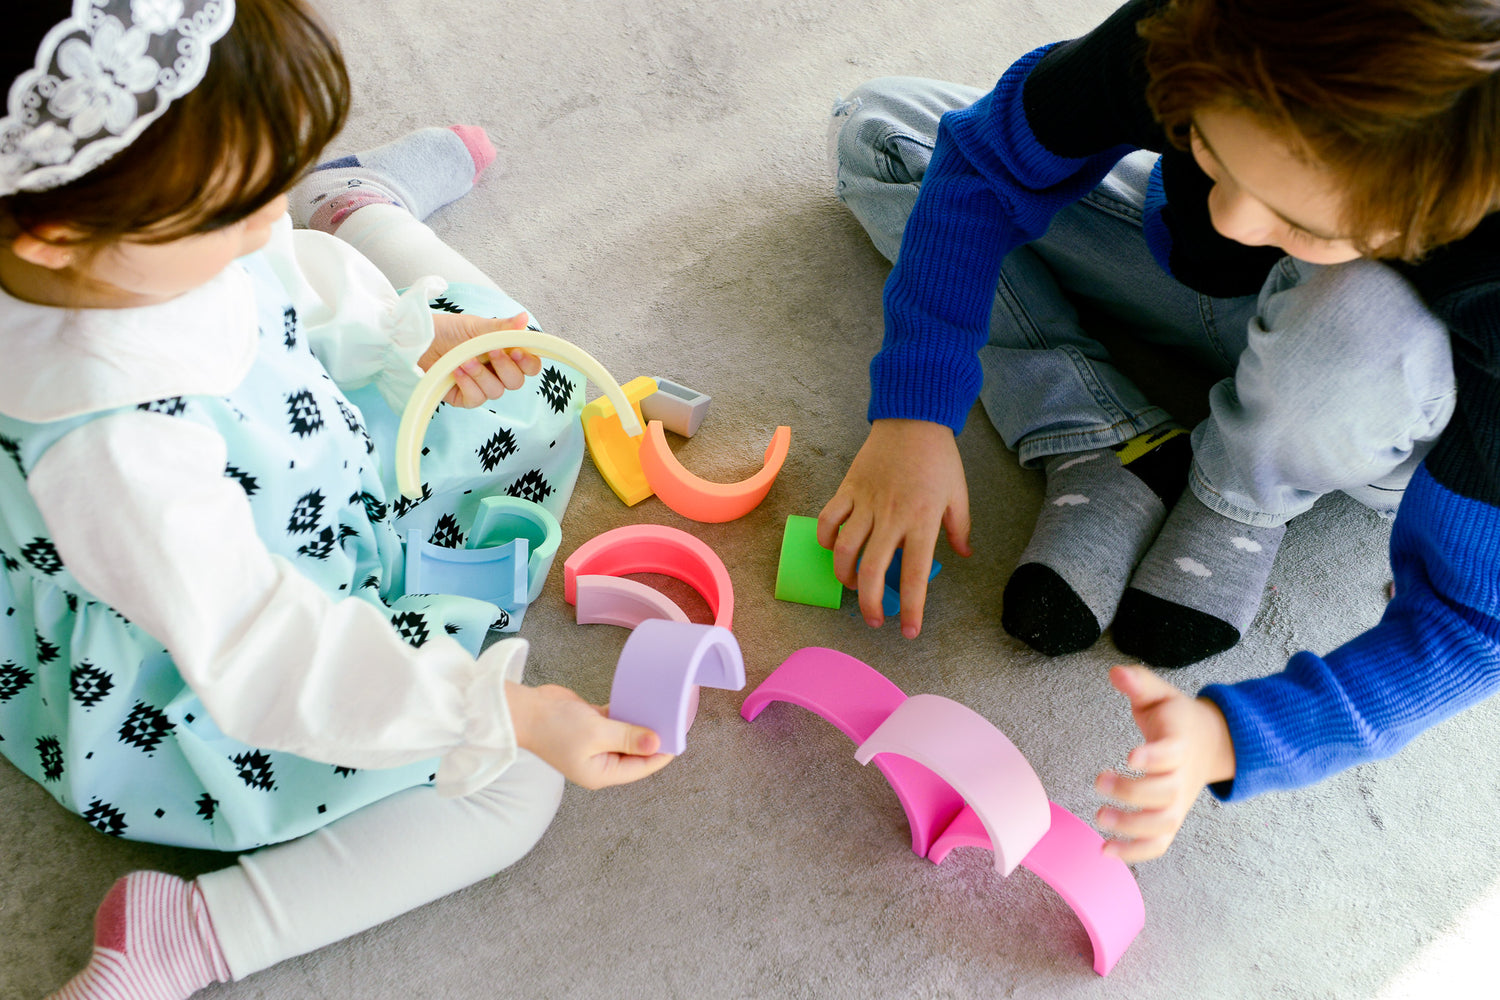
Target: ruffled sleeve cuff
[489,741]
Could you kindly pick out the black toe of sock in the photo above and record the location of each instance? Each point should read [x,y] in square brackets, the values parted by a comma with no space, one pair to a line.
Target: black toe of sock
[1042,611]
[1165,634]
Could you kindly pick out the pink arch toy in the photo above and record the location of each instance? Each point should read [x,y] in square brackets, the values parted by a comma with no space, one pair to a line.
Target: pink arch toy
[654,548]
[659,670]
[1071,859]
[966,750]
[619,600]
[857,698]
[698,498]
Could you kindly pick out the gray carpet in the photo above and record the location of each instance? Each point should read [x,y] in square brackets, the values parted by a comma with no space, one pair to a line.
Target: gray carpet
[661,199]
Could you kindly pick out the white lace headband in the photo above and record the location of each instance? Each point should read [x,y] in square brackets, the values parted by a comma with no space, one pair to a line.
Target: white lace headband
[101,76]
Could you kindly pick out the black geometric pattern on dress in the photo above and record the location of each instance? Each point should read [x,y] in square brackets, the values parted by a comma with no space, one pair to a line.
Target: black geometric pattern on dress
[51,755]
[372,582]
[45,651]
[501,623]
[13,680]
[346,532]
[321,547]
[206,806]
[106,818]
[11,447]
[89,685]
[254,768]
[402,505]
[306,513]
[247,482]
[172,406]
[443,304]
[145,727]
[9,562]
[289,327]
[43,555]
[452,628]
[556,389]
[533,486]
[447,533]
[71,600]
[500,446]
[303,414]
[411,626]
[344,772]
[374,506]
[351,419]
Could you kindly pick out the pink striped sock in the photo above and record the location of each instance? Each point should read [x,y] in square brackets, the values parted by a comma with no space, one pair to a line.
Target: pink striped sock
[153,940]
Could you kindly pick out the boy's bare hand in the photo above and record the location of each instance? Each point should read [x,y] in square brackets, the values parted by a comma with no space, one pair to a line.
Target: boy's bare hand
[1187,748]
[580,739]
[906,482]
[484,378]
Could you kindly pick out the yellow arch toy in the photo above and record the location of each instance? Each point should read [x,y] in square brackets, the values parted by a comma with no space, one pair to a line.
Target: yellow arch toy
[439,379]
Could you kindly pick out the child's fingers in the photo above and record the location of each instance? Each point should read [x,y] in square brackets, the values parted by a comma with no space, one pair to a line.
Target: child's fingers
[869,576]
[1141,686]
[1151,792]
[956,525]
[1133,851]
[623,769]
[852,539]
[503,364]
[916,566]
[1137,824]
[1159,756]
[529,363]
[833,514]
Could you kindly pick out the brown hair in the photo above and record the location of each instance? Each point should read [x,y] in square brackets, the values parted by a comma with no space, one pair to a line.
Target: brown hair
[1399,98]
[275,93]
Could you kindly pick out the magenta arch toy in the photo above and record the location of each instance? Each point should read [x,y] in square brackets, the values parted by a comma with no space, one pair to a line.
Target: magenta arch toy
[659,670]
[964,749]
[1071,859]
[654,548]
[857,698]
[1068,855]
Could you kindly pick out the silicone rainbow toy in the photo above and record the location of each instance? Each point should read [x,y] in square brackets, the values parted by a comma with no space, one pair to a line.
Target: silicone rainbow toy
[659,671]
[878,716]
[653,548]
[700,499]
[434,385]
[614,449]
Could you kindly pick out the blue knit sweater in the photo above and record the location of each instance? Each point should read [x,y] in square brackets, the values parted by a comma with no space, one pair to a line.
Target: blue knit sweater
[1054,125]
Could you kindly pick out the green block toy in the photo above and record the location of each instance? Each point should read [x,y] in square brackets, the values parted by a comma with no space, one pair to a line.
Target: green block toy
[805,573]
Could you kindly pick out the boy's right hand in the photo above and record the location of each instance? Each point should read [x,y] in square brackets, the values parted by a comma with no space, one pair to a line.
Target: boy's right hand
[905,483]
[579,739]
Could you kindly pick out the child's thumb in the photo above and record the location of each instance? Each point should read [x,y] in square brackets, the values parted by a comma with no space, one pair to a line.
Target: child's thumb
[1141,685]
[640,741]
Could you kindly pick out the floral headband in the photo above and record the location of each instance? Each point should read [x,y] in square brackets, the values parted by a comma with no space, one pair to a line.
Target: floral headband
[101,77]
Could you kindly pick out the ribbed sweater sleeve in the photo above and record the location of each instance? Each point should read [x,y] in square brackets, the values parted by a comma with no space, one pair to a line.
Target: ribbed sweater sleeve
[991,186]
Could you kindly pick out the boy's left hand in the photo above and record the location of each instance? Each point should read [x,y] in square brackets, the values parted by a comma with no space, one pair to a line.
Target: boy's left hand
[1187,748]
[483,378]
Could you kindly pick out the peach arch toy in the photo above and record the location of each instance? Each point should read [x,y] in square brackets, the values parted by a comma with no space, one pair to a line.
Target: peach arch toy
[699,499]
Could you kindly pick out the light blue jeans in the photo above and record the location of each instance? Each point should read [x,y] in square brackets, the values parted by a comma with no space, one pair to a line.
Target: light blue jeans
[1335,377]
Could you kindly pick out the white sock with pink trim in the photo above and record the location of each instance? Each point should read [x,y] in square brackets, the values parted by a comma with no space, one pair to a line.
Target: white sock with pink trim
[421,172]
[153,940]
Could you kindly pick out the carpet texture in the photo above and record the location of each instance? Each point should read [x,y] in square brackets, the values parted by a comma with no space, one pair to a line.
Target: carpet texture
[661,198]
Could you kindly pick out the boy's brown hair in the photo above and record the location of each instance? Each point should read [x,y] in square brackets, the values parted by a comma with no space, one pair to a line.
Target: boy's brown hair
[275,92]
[1399,98]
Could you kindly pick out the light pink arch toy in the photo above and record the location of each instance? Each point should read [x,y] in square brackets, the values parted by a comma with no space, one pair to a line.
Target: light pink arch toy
[659,671]
[1071,859]
[654,548]
[964,749]
[619,600]
[698,498]
[857,698]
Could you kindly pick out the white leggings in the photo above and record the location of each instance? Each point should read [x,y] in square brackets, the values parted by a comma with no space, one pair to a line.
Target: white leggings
[375,864]
[414,847]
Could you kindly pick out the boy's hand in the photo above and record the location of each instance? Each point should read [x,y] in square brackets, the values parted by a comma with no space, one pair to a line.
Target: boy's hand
[479,379]
[579,739]
[1187,747]
[905,483]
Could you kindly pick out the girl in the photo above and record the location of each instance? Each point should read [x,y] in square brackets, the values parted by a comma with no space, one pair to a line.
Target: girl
[1317,225]
[207,642]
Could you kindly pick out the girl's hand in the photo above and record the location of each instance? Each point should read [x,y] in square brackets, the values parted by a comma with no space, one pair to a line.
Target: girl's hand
[1187,748]
[580,739]
[906,482]
[479,379]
